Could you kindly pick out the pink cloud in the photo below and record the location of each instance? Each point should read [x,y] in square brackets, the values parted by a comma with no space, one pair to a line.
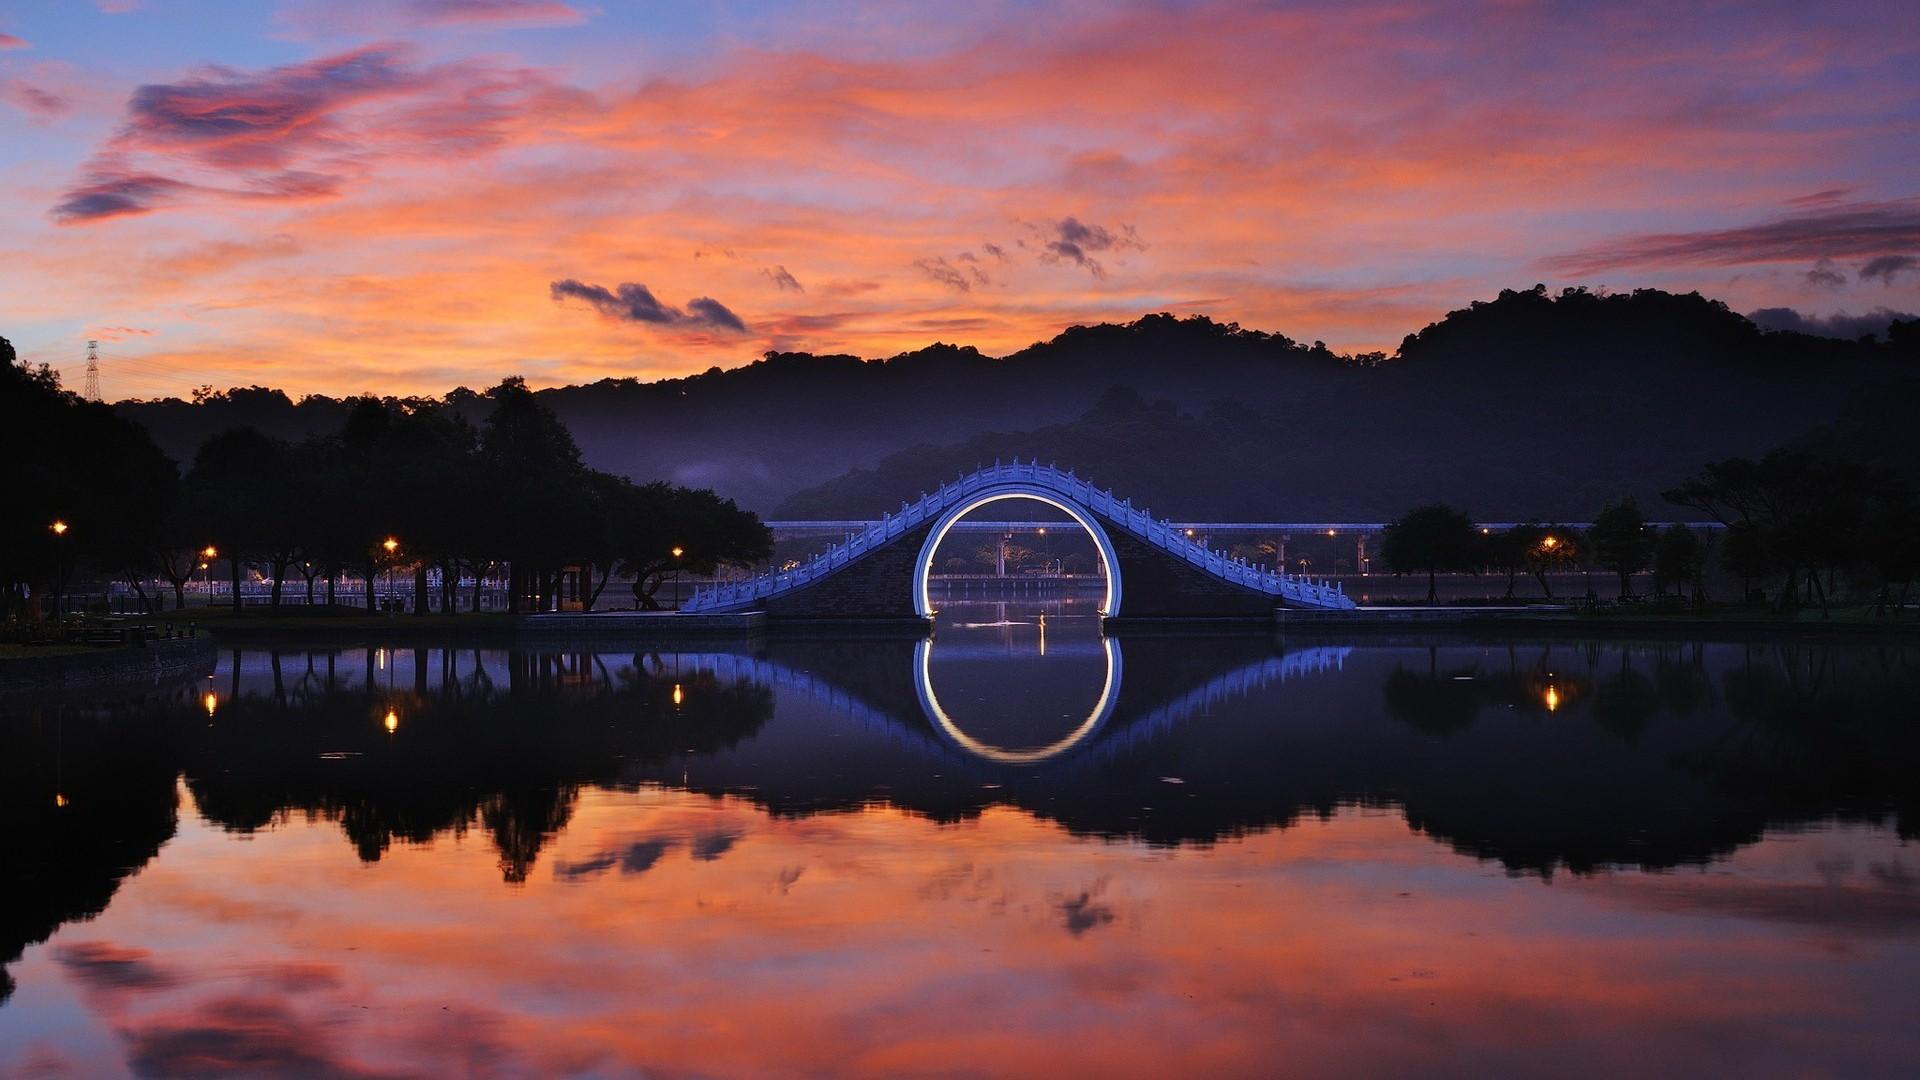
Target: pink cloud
[517,12]
[298,132]
[37,102]
[1851,229]
[345,18]
[8,41]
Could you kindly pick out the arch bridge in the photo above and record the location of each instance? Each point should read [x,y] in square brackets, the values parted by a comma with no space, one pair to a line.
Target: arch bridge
[1153,569]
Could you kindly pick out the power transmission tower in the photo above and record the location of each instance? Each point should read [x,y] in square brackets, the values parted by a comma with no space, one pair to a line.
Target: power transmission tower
[93,371]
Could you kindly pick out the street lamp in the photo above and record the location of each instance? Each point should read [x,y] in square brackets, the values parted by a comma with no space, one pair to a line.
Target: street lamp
[390,545]
[59,529]
[677,552]
[207,555]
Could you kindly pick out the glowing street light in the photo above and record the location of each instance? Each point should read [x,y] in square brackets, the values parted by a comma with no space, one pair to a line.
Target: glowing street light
[678,551]
[1550,543]
[390,545]
[207,555]
[59,530]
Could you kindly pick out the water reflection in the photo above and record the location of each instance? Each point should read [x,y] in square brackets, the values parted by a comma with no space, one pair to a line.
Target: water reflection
[996,683]
[874,785]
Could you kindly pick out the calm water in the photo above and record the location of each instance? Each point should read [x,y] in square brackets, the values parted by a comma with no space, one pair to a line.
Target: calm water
[1020,850]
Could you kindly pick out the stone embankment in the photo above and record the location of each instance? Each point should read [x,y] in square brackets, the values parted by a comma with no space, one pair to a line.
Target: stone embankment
[126,667]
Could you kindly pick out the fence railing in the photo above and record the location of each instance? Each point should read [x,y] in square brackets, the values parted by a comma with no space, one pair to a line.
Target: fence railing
[1138,523]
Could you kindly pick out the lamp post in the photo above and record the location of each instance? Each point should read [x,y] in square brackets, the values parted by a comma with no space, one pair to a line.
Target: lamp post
[677,552]
[390,545]
[207,555]
[59,529]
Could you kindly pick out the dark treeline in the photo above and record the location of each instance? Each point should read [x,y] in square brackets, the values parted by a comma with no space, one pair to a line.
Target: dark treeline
[1799,526]
[401,486]
[1604,390]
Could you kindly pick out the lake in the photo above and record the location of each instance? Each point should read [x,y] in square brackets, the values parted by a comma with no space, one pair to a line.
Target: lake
[1016,848]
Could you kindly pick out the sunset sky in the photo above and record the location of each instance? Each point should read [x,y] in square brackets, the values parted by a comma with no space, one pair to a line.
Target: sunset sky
[405,195]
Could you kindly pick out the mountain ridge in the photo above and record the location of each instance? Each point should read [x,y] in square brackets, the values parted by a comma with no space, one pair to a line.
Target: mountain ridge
[1675,378]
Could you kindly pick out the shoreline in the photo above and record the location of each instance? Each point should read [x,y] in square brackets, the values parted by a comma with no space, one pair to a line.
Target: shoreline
[122,668]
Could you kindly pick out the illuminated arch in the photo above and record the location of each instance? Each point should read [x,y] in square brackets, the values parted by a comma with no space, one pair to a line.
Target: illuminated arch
[943,723]
[923,566]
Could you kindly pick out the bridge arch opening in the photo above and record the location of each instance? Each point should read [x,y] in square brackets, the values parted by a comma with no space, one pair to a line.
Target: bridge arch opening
[923,604]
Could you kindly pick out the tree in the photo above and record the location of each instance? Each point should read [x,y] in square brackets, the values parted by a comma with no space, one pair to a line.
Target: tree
[1890,545]
[1510,551]
[666,529]
[1745,555]
[1431,539]
[529,454]
[1558,548]
[1622,541]
[1805,511]
[1676,560]
[80,464]
[238,489]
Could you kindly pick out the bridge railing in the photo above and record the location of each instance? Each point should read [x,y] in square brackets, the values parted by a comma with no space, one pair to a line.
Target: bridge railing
[1142,525]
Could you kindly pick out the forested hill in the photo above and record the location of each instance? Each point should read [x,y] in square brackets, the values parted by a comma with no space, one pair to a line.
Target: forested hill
[1527,404]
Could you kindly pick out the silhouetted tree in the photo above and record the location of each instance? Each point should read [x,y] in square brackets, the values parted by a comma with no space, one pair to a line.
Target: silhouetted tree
[79,463]
[238,487]
[532,460]
[1431,539]
[1621,541]
[1511,551]
[1558,549]
[1744,554]
[1890,545]
[1804,511]
[658,519]
[1676,560]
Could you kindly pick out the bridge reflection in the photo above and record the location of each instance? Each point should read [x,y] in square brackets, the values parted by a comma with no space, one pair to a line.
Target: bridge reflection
[955,733]
[1544,757]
